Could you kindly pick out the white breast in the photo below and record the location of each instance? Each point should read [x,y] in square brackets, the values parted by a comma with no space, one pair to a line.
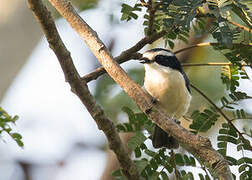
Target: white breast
[168,87]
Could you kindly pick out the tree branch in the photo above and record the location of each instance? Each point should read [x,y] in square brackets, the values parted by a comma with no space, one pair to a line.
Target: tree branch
[199,146]
[151,11]
[126,55]
[81,89]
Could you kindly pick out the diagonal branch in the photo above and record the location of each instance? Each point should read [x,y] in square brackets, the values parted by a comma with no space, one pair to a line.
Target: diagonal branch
[199,146]
[81,89]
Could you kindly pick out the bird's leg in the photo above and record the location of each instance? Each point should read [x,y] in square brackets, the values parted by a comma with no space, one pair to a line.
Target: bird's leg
[154,100]
[175,120]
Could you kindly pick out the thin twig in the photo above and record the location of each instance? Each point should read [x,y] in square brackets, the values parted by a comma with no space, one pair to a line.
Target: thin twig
[207,64]
[173,163]
[223,115]
[241,26]
[144,3]
[211,44]
[211,64]
[81,89]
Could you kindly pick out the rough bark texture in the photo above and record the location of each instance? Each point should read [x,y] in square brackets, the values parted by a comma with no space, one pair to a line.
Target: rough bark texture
[199,146]
[81,89]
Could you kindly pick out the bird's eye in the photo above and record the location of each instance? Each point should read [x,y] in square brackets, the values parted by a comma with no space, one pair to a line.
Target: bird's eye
[144,60]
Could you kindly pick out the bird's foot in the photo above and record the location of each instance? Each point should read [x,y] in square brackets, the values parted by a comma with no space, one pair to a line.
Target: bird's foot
[154,102]
[176,121]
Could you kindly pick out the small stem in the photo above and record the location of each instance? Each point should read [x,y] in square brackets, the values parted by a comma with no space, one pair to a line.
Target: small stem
[207,64]
[211,44]
[241,26]
[173,163]
[144,3]
[211,64]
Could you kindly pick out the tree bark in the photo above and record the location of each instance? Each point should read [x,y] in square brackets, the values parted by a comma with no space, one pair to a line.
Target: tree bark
[81,89]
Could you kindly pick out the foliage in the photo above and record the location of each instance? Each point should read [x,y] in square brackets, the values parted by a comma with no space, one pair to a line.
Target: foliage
[5,126]
[152,164]
[177,18]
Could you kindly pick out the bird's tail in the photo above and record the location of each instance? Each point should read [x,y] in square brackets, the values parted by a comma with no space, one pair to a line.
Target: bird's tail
[161,139]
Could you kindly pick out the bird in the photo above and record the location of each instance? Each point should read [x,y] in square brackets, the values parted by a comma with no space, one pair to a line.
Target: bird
[169,86]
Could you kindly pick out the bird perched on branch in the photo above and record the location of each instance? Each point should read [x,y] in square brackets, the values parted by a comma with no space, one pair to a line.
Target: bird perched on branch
[168,84]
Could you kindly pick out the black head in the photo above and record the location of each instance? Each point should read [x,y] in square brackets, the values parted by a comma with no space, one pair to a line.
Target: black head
[163,57]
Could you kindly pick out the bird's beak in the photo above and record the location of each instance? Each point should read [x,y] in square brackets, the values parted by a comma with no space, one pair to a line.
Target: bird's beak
[144,60]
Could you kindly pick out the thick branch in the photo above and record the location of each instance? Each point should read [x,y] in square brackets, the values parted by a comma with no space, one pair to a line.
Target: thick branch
[199,146]
[81,89]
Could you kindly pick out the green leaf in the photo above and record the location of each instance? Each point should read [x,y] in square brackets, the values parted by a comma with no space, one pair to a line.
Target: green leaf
[227,138]
[130,113]
[171,44]
[138,152]
[150,153]
[153,164]
[223,152]
[164,175]
[231,159]
[243,167]
[136,140]
[20,143]
[16,136]
[179,160]
[154,176]
[203,121]
[141,164]
[244,160]
[120,128]
[117,173]
[201,176]
[188,176]
[244,176]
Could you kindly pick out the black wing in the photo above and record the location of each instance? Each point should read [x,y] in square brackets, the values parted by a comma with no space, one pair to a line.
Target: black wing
[187,81]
